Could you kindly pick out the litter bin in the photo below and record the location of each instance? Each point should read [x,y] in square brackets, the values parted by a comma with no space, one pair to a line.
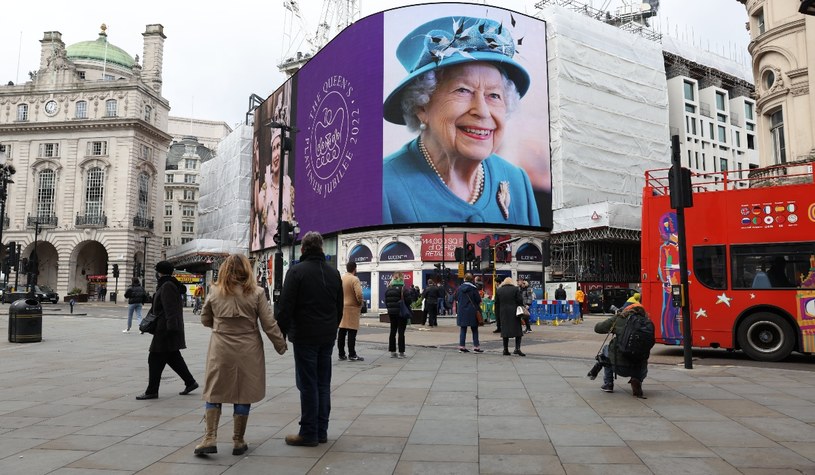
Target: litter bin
[113,297]
[25,321]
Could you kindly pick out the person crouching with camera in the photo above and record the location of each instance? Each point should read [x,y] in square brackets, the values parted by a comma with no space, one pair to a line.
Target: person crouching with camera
[618,358]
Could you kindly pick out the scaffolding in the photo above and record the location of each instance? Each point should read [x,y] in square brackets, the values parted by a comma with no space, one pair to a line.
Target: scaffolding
[596,255]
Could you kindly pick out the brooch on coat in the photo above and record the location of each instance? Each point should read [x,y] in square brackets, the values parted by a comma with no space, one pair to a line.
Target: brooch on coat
[503,198]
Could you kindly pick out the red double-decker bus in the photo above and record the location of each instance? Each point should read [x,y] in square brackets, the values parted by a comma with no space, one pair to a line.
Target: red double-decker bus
[751,260]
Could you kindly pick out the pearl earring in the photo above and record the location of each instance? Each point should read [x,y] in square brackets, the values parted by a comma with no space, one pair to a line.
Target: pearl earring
[422,126]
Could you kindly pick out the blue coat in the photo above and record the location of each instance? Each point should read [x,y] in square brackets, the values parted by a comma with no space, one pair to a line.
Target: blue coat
[413,193]
[468,301]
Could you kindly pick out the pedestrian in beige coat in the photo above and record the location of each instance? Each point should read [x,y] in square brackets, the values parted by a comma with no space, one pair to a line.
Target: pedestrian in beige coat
[236,368]
[351,305]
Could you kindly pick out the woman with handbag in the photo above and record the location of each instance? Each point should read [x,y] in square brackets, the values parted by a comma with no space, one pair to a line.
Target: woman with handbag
[397,301]
[507,301]
[235,369]
[468,302]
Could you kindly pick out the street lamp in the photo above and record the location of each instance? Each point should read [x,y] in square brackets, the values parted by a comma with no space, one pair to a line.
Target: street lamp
[144,263]
[285,147]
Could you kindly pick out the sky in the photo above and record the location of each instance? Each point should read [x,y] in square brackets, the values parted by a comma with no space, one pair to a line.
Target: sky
[214,59]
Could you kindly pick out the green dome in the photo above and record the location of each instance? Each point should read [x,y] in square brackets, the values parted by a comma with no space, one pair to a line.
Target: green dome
[96,50]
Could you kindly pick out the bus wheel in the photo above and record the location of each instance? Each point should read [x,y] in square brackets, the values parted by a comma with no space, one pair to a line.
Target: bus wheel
[766,337]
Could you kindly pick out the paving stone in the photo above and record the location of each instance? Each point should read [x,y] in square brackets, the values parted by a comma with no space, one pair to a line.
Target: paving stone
[690,466]
[764,457]
[520,464]
[39,461]
[405,467]
[597,455]
[724,434]
[353,463]
[440,453]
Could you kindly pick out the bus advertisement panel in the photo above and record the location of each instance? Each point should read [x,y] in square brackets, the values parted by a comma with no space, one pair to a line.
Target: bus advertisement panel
[751,261]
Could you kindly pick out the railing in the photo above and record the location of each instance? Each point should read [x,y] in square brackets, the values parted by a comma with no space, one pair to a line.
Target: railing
[48,221]
[91,220]
[140,222]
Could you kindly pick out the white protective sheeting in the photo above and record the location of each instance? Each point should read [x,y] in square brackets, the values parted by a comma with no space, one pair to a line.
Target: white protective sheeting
[599,215]
[713,60]
[224,201]
[609,116]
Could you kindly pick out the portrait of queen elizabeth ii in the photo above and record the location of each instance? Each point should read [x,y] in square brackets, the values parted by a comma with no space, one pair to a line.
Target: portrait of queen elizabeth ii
[462,85]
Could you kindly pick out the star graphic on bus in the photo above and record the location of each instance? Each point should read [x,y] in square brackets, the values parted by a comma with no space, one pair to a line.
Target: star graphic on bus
[752,296]
[723,299]
[701,313]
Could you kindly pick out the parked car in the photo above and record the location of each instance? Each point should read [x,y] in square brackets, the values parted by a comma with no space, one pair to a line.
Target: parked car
[600,301]
[46,294]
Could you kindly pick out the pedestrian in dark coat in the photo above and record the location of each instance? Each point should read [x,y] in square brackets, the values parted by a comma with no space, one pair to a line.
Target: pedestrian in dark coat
[310,313]
[468,302]
[395,293]
[507,299]
[168,339]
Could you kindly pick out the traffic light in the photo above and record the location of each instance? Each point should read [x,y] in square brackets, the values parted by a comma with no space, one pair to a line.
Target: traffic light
[24,265]
[115,271]
[501,254]
[470,252]
[459,254]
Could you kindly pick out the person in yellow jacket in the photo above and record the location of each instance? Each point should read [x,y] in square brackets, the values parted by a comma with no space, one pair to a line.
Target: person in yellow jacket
[580,297]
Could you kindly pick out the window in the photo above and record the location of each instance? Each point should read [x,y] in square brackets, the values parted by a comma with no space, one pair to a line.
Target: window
[168,210]
[722,117]
[22,112]
[186,226]
[97,148]
[191,164]
[189,194]
[737,138]
[769,79]
[81,111]
[81,74]
[709,266]
[168,242]
[168,178]
[111,108]
[760,22]
[722,134]
[6,148]
[185,240]
[48,150]
[689,92]
[711,131]
[750,127]
[763,266]
[168,227]
[693,126]
[189,178]
[704,164]
[689,162]
[190,149]
[146,152]
[748,111]
[777,134]
[187,211]
[94,192]
[751,141]
[690,108]
[168,194]
[109,77]
[722,164]
[144,195]
[697,160]
[148,113]
[720,101]
[46,191]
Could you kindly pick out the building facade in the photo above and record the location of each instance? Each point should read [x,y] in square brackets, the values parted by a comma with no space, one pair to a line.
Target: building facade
[87,136]
[782,47]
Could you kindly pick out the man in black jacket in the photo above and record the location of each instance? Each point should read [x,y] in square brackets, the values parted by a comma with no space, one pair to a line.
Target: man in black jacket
[168,340]
[431,295]
[310,313]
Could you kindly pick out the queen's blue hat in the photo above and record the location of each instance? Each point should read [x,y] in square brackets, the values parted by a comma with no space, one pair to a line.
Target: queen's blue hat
[454,40]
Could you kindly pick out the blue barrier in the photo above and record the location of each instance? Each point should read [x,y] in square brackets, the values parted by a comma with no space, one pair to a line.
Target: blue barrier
[554,310]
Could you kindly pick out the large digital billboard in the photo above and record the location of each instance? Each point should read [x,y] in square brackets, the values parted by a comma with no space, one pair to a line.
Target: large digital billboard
[427,114]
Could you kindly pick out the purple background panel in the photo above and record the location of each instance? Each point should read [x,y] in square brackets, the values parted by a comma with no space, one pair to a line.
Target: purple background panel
[338,161]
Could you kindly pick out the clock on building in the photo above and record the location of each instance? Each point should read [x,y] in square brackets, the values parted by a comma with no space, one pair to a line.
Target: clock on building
[51,107]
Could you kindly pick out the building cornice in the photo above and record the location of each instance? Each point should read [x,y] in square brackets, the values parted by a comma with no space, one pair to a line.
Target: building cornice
[773,34]
[40,128]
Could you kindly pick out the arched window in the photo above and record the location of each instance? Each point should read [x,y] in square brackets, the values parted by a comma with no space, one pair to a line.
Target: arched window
[22,112]
[81,110]
[111,108]
[777,135]
[94,192]
[144,195]
[46,190]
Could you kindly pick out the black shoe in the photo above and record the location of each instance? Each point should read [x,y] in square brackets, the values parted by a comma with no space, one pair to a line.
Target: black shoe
[507,353]
[463,350]
[355,358]
[188,389]
[142,397]
[322,439]
[519,353]
[342,357]
[609,388]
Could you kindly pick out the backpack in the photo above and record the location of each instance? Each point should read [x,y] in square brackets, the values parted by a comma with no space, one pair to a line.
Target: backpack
[637,338]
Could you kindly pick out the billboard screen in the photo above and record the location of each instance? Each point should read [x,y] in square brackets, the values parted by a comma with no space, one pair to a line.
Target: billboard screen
[426,114]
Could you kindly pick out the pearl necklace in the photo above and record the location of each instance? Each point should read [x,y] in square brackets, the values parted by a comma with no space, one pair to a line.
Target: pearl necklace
[479,178]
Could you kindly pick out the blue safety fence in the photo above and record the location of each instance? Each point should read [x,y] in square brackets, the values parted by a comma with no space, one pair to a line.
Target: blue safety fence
[553,311]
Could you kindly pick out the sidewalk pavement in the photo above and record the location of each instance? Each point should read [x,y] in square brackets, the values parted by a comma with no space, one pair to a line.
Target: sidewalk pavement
[67,406]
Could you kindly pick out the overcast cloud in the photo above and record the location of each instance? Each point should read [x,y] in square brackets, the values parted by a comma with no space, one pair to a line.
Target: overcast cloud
[215,58]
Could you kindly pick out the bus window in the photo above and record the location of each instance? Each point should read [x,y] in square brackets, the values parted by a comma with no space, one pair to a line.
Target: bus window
[764,266]
[709,266]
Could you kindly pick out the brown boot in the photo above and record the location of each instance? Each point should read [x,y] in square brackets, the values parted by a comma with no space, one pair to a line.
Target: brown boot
[636,388]
[208,445]
[239,447]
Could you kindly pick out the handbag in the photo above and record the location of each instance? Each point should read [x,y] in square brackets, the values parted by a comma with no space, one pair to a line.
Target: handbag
[479,316]
[521,311]
[149,323]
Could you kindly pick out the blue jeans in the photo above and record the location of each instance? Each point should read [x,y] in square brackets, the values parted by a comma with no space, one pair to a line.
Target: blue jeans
[639,371]
[133,307]
[312,367]
[462,337]
[238,409]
